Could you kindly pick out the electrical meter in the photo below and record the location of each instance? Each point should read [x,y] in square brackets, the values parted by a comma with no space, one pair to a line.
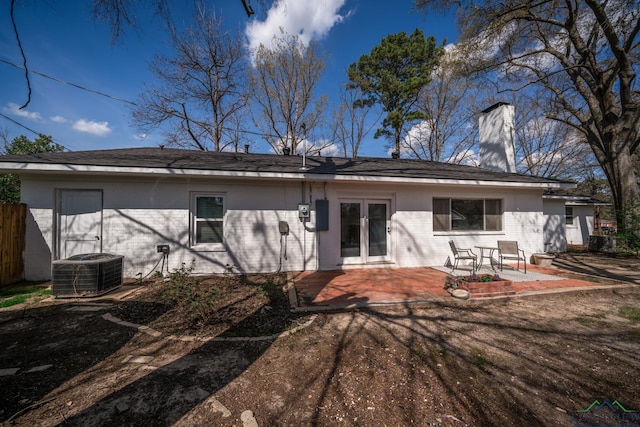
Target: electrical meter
[303,211]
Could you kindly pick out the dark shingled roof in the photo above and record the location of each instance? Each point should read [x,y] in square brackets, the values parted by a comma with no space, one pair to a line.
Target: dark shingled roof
[573,196]
[157,158]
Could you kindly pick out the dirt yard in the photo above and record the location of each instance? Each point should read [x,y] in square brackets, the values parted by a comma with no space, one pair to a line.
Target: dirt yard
[519,361]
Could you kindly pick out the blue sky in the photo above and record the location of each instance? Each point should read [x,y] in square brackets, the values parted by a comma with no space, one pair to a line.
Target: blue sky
[61,40]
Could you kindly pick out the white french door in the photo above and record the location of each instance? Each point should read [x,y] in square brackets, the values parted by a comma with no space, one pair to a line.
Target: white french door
[365,230]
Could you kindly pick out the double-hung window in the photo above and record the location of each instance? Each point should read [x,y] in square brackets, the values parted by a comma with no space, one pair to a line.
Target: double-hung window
[467,214]
[568,215]
[207,220]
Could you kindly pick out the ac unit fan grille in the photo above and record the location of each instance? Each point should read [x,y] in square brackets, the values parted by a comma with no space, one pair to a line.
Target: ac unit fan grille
[86,275]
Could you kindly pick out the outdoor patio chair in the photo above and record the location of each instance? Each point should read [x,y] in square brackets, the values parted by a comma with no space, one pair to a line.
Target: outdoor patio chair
[463,254]
[508,250]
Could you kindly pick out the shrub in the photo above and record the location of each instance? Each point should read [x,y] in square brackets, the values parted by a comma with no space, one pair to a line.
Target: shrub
[480,278]
[185,292]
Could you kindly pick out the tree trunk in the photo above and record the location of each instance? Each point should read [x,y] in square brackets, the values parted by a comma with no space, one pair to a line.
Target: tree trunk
[624,188]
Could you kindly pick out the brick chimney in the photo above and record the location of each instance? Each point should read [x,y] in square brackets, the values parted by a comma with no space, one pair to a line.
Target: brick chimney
[497,148]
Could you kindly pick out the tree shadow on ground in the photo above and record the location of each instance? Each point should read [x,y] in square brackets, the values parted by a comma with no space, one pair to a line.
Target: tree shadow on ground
[600,265]
[164,395]
[128,375]
[51,345]
[516,362]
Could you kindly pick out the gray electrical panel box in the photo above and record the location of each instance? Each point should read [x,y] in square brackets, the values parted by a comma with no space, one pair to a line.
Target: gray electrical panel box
[283,227]
[322,215]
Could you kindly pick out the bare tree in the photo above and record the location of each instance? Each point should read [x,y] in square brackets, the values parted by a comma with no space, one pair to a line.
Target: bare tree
[202,87]
[239,139]
[546,147]
[450,105]
[350,123]
[283,79]
[584,54]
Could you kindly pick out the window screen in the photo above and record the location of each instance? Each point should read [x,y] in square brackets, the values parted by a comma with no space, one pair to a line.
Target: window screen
[493,214]
[441,221]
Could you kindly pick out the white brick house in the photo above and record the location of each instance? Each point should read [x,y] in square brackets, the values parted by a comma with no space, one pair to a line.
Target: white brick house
[246,212]
[570,219]
[225,209]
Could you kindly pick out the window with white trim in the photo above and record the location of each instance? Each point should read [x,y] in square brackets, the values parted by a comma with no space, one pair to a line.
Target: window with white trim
[568,215]
[467,214]
[207,220]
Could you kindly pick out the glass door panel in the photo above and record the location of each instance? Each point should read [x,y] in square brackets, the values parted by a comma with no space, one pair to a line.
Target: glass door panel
[377,214]
[350,230]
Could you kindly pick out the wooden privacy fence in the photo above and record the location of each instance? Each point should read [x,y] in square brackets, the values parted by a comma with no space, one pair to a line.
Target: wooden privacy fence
[12,229]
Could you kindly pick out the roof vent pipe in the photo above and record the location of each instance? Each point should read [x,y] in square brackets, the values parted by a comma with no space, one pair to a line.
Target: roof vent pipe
[286,151]
[497,149]
[246,148]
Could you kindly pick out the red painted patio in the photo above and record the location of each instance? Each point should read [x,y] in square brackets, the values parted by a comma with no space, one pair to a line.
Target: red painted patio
[356,287]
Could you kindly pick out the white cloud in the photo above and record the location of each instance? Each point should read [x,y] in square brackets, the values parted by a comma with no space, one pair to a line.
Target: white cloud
[330,150]
[321,147]
[140,136]
[466,157]
[310,20]
[94,128]
[14,109]
[59,119]
[419,133]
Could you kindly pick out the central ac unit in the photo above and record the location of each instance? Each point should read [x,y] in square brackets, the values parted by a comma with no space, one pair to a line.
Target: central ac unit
[86,275]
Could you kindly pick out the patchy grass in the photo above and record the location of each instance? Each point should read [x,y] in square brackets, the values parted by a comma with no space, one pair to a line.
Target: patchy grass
[629,312]
[591,321]
[479,357]
[430,353]
[17,294]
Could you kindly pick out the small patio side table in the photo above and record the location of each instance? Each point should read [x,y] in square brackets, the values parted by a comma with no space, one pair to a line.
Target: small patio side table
[490,250]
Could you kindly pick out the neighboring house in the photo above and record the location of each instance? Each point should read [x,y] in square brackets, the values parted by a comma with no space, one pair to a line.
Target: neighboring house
[570,219]
[265,213]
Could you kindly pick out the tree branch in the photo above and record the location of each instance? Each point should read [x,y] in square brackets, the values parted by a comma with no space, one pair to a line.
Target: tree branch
[189,131]
[24,58]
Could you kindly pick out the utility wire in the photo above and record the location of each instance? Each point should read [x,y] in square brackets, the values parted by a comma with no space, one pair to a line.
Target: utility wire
[126,101]
[31,130]
[55,79]
[248,9]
